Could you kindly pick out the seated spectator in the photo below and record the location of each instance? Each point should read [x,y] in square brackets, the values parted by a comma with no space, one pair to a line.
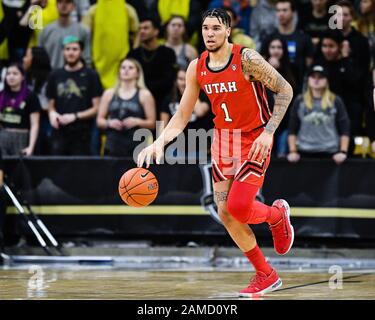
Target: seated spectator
[53,34]
[237,35]
[37,66]
[126,108]
[74,93]
[158,61]
[343,75]
[117,23]
[199,117]
[277,55]
[319,124]
[19,114]
[263,21]
[314,20]
[176,39]
[300,47]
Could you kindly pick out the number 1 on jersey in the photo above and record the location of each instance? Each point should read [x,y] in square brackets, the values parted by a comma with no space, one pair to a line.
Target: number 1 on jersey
[225,108]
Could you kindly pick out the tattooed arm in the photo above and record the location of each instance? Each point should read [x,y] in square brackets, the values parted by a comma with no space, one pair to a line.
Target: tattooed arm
[256,68]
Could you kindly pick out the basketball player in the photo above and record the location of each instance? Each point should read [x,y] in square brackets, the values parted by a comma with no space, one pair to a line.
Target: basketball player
[233,79]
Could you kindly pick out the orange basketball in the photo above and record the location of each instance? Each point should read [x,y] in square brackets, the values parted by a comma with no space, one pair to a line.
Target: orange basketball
[138,187]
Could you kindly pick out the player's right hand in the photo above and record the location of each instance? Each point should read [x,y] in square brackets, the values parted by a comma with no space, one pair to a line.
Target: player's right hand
[154,150]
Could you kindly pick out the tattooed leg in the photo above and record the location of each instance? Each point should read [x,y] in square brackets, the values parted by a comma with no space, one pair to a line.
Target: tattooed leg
[241,234]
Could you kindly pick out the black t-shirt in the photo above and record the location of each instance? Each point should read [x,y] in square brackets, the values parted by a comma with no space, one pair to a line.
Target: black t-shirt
[159,67]
[314,27]
[73,91]
[19,118]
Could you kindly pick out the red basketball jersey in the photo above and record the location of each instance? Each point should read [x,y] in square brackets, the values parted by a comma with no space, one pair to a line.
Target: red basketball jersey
[236,102]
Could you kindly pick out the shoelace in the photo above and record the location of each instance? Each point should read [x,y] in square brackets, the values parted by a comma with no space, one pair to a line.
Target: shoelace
[279,229]
[255,280]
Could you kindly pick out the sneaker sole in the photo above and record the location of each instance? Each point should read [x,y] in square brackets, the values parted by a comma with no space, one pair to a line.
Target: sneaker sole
[276,285]
[286,204]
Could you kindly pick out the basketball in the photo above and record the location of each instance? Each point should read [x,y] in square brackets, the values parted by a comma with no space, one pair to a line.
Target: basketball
[138,187]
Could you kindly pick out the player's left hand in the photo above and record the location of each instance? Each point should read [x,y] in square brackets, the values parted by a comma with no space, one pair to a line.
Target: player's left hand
[261,147]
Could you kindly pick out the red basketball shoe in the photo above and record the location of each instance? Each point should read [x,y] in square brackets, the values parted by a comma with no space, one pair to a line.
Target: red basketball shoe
[261,284]
[282,231]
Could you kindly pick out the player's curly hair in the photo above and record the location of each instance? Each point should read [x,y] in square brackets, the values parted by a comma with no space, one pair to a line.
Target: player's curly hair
[218,13]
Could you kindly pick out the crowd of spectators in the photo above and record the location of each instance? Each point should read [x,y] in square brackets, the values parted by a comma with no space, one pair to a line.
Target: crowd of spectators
[98,70]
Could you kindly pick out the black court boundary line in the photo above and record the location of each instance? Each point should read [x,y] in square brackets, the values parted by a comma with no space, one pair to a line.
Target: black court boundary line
[321,282]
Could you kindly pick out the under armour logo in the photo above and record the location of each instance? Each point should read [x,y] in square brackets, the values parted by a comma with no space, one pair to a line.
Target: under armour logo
[203,73]
[234,67]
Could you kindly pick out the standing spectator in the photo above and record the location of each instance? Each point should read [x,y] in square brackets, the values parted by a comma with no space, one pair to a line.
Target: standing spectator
[366,22]
[358,43]
[263,21]
[37,66]
[74,93]
[277,56]
[158,61]
[237,35]
[189,9]
[115,22]
[126,108]
[19,114]
[314,20]
[319,125]
[49,15]
[53,34]
[300,47]
[176,38]
[18,36]
[344,76]
[198,118]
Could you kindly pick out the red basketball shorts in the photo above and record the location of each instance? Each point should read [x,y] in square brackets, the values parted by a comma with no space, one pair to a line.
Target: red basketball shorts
[230,150]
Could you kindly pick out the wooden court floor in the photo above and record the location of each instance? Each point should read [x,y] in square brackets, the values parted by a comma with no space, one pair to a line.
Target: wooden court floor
[35,282]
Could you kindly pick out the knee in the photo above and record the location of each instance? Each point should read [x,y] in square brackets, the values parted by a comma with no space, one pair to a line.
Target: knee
[241,208]
[225,217]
